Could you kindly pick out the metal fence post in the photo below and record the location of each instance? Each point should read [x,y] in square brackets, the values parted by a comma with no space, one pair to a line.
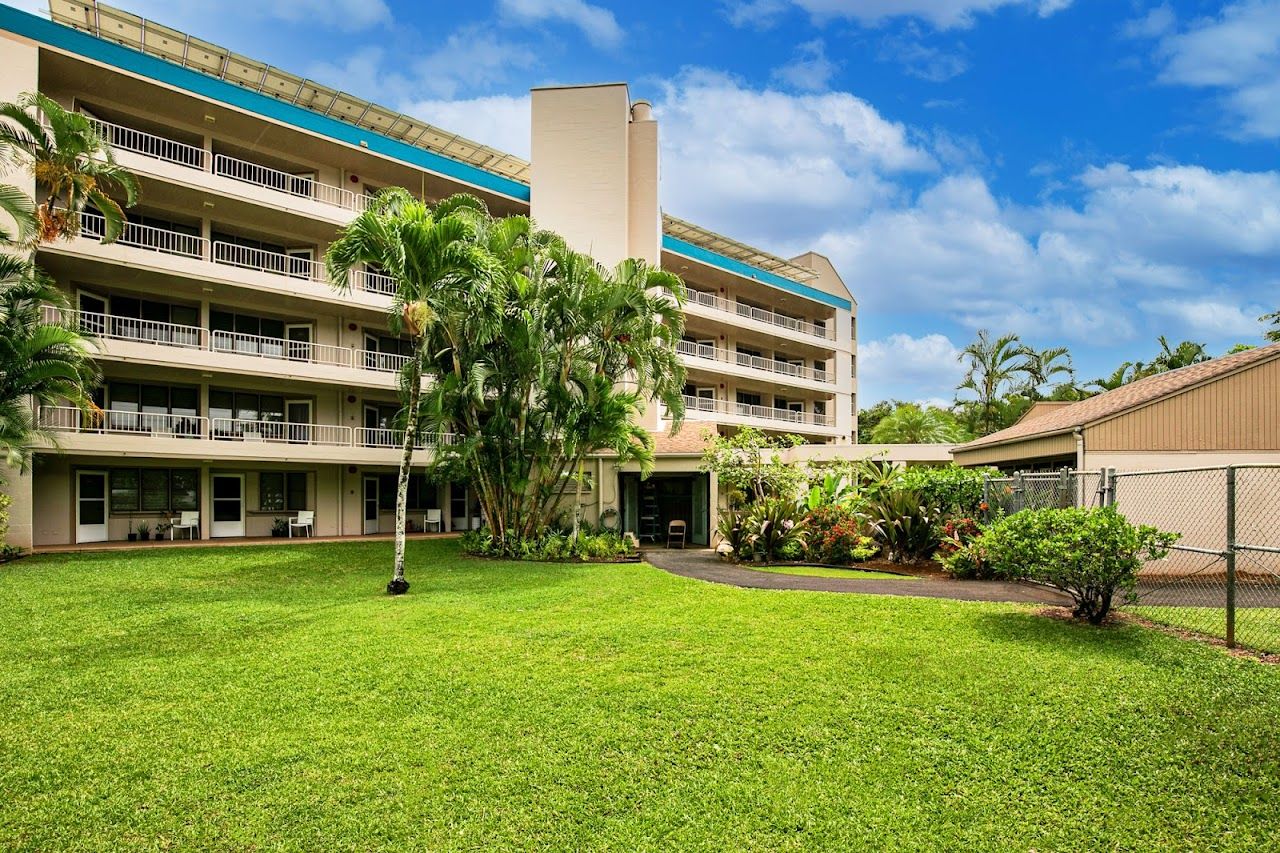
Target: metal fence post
[1111,487]
[1019,498]
[1063,490]
[1230,555]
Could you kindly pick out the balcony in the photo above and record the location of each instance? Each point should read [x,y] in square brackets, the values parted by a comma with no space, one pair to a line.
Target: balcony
[760,315]
[159,435]
[712,408]
[244,266]
[304,360]
[288,187]
[703,355]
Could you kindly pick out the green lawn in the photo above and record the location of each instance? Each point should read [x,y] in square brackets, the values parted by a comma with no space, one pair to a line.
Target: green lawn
[828,572]
[259,697]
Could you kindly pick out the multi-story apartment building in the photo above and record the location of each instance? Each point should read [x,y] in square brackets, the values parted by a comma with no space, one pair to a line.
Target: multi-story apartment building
[241,385]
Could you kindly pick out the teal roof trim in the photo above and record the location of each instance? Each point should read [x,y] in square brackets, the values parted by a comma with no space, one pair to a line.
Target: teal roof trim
[72,40]
[715,259]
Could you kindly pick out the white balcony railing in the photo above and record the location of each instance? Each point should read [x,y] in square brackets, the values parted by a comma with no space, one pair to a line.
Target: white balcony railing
[146,424]
[247,257]
[278,431]
[379,437]
[298,186]
[762,315]
[280,348]
[146,237]
[156,425]
[373,282]
[747,410]
[768,365]
[150,145]
[128,328]
[384,362]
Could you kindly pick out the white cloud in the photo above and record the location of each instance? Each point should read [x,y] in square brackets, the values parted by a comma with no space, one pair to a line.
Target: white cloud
[769,165]
[1216,318]
[596,23]
[500,121]
[809,71]
[1236,53]
[943,14]
[902,366]
[922,60]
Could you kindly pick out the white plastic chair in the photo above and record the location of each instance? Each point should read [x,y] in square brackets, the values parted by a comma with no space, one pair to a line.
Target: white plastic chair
[433,517]
[190,522]
[306,520]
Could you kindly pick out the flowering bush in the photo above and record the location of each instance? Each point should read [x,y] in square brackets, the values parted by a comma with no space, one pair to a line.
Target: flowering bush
[958,551]
[836,535]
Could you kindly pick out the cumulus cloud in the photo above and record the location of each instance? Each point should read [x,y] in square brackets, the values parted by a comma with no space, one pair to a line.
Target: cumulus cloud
[500,121]
[901,366]
[1215,318]
[596,23]
[1235,53]
[942,14]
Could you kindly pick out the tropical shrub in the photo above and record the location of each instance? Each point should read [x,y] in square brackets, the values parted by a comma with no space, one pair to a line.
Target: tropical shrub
[551,546]
[959,551]
[905,525]
[1090,553]
[832,490]
[733,534]
[772,524]
[838,535]
[951,489]
[749,466]
[7,551]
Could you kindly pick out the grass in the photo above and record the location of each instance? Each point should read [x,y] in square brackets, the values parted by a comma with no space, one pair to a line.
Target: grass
[273,697]
[1256,627]
[828,572]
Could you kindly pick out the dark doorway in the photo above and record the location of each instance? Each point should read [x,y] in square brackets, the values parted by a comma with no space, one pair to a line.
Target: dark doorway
[648,506]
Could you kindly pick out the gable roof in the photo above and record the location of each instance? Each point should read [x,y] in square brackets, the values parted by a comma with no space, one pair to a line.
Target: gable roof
[1125,398]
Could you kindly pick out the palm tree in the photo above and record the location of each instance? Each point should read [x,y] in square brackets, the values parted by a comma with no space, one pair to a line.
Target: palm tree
[1044,365]
[40,362]
[432,255]
[912,424]
[72,163]
[1122,375]
[1272,319]
[993,370]
[1183,355]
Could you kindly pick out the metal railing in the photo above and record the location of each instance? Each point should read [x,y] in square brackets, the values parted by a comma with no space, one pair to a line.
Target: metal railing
[281,348]
[145,237]
[298,186]
[711,300]
[748,410]
[384,362]
[150,145]
[280,431]
[768,365]
[373,282]
[279,263]
[128,328]
[155,425]
[381,437]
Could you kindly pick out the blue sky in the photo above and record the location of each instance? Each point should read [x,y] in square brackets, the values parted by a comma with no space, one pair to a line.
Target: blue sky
[1088,173]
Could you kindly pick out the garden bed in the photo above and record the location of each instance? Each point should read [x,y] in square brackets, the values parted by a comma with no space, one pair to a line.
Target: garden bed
[818,570]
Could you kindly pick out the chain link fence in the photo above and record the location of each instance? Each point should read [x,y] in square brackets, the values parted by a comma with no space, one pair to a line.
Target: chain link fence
[1222,578]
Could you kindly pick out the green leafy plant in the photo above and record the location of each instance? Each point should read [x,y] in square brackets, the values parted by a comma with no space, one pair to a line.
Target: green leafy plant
[959,551]
[905,524]
[774,523]
[732,532]
[749,465]
[143,529]
[951,489]
[279,527]
[833,489]
[1092,554]
[551,546]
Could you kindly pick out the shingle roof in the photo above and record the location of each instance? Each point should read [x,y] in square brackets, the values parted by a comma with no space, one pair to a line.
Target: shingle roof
[1126,397]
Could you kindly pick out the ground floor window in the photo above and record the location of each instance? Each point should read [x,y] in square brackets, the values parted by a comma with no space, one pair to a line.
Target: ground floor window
[280,490]
[423,494]
[154,489]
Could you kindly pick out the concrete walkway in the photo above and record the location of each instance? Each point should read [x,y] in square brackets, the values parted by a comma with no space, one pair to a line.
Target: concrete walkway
[705,565]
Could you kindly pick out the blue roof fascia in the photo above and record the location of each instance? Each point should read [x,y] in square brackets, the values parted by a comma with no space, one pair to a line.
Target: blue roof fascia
[715,259]
[91,47]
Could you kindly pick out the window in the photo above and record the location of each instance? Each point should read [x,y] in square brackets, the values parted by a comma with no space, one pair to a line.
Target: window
[422,493]
[378,342]
[748,399]
[279,490]
[243,332]
[154,490]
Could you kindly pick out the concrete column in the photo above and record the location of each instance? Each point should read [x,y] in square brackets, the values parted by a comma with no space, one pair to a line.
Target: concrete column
[18,487]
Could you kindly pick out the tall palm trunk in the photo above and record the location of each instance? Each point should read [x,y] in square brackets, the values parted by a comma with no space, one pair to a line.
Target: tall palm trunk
[398,584]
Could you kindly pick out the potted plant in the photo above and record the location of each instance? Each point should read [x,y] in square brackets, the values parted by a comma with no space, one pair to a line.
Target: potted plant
[279,528]
[144,531]
[133,535]
[162,529]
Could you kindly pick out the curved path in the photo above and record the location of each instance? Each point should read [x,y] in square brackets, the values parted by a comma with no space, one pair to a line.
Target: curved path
[705,565]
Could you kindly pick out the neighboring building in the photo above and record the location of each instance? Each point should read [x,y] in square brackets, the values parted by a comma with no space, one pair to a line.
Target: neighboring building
[240,385]
[1222,411]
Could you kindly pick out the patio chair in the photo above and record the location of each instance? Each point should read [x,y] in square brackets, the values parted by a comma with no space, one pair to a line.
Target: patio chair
[675,534]
[188,521]
[305,520]
[434,518]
